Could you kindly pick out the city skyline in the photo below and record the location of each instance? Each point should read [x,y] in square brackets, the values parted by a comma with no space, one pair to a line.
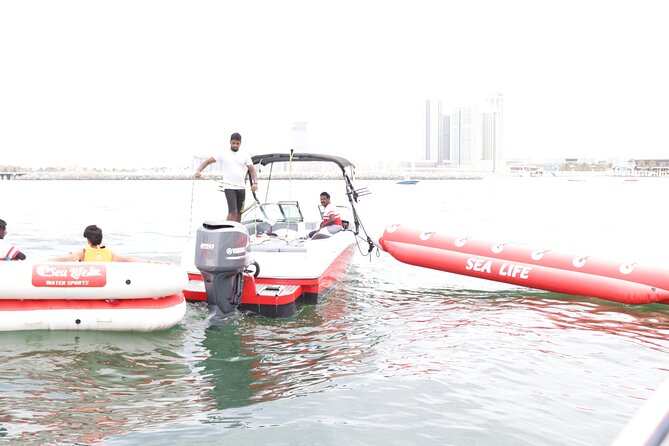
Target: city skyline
[465,136]
[155,83]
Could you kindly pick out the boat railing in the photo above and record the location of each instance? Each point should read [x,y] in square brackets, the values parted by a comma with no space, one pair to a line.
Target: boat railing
[650,425]
[276,247]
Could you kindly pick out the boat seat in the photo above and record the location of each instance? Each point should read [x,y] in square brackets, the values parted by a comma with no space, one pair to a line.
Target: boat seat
[293,226]
[258,228]
[293,248]
[264,247]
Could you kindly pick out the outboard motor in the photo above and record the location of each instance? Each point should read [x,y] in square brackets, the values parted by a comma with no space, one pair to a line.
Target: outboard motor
[221,255]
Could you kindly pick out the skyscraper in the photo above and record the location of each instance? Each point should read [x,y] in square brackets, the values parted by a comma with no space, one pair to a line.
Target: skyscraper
[300,137]
[465,137]
[432,129]
[470,137]
[444,146]
[491,133]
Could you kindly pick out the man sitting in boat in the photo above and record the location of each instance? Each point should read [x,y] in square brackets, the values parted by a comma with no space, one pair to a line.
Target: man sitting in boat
[95,251]
[7,251]
[331,218]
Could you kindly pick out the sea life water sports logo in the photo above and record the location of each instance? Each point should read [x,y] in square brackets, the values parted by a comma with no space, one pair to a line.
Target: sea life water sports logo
[69,276]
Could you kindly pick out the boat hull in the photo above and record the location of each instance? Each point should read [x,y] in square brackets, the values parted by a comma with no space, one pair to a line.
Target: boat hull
[548,270]
[281,295]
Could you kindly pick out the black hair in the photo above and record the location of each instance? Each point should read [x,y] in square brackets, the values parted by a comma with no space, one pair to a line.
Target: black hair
[3,224]
[93,234]
[236,137]
[325,194]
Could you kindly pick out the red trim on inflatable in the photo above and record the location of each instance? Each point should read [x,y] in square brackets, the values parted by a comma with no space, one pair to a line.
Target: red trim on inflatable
[518,265]
[93,304]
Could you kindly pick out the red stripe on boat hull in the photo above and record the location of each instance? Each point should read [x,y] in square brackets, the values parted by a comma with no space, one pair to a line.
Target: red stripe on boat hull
[310,287]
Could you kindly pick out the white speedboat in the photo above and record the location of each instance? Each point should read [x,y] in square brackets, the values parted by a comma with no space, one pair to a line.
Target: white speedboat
[268,264]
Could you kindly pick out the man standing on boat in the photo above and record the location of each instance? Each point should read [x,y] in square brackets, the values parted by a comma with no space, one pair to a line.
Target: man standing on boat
[7,251]
[331,218]
[235,164]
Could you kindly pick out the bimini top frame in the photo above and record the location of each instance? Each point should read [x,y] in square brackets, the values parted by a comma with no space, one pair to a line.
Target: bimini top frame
[343,164]
[270,158]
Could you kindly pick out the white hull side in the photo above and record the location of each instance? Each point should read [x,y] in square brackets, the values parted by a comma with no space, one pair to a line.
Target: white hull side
[93,319]
[312,264]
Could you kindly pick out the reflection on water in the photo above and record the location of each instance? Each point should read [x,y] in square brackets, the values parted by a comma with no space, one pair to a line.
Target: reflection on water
[255,359]
[645,325]
[67,387]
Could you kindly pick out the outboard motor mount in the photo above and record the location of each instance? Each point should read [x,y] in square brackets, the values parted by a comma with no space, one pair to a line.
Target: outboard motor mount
[221,255]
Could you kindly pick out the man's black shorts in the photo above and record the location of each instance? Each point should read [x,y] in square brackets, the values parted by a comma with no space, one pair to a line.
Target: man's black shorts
[235,199]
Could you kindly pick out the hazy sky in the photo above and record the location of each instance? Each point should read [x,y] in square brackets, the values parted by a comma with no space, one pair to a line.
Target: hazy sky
[151,83]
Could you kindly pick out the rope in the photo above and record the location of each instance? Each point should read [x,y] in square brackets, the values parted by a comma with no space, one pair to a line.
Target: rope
[290,173]
[269,181]
[190,217]
[290,183]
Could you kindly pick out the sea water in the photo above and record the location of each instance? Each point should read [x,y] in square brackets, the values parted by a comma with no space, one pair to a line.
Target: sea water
[394,355]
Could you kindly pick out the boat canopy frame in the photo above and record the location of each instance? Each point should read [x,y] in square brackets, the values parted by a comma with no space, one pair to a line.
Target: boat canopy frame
[270,158]
[342,163]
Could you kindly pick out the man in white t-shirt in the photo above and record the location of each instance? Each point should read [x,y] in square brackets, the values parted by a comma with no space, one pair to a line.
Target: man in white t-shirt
[331,218]
[234,164]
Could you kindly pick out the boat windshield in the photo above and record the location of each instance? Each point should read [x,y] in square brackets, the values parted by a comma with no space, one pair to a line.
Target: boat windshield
[281,211]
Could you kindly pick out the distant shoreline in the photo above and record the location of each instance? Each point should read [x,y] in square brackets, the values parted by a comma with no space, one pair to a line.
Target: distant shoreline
[213,176]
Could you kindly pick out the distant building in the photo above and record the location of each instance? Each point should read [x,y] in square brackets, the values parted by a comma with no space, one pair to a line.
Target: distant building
[491,134]
[299,143]
[655,166]
[444,143]
[198,159]
[300,137]
[432,122]
[437,133]
[470,137]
